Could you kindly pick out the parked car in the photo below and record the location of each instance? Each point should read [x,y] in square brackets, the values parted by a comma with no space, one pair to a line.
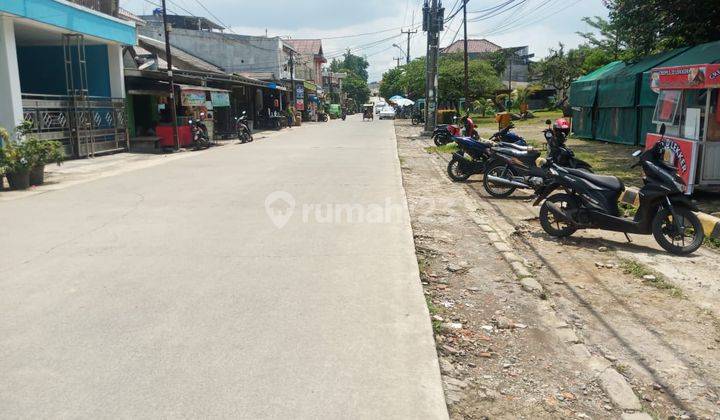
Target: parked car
[387,112]
[379,106]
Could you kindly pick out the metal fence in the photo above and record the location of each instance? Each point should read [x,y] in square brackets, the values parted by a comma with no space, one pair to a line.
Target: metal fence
[85,127]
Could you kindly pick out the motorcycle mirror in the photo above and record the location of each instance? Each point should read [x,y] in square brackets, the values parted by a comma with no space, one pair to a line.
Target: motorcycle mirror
[244,112]
[637,152]
[662,129]
[548,122]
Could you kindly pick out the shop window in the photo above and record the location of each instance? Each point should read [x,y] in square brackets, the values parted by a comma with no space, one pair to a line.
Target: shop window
[667,107]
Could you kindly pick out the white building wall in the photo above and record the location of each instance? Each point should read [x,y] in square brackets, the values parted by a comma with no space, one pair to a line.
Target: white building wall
[117,75]
[11,97]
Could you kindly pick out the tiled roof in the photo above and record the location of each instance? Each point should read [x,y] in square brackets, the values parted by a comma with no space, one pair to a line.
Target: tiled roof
[306,46]
[475,46]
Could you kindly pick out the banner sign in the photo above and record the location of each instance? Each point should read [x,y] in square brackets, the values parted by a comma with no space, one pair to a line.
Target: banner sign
[220,99]
[700,76]
[192,97]
[680,153]
[299,98]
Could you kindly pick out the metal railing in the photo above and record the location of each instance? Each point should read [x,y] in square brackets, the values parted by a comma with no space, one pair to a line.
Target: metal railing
[85,126]
[109,7]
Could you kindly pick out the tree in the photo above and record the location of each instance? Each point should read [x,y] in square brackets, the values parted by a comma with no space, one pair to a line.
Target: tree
[351,63]
[482,79]
[356,88]
[392,83]
[355,84]
[560,68]
[608,41]
[642,27]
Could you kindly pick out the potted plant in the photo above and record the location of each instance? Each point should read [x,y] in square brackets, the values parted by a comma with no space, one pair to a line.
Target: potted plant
[16,165]
[41,153]
[4,138]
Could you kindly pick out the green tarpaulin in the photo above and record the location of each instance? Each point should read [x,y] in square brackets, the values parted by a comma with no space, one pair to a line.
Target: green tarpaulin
[582,122]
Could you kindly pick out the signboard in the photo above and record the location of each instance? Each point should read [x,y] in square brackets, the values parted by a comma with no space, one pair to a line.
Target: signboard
[299,98]
[220,99]
[700,76]
[680,153]
[192,97]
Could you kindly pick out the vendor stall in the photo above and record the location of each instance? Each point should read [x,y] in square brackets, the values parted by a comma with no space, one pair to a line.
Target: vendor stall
[688,106]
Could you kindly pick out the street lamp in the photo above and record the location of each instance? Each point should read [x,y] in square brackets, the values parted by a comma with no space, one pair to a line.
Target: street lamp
[399,48]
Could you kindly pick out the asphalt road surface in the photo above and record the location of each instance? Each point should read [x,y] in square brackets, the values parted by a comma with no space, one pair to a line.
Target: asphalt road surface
[275,279]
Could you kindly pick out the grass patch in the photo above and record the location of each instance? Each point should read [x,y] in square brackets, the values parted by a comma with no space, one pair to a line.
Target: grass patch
[445,148]
[436,325]
[712,243]
[639,271]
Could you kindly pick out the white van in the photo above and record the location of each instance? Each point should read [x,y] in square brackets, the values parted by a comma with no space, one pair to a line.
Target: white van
[379,106]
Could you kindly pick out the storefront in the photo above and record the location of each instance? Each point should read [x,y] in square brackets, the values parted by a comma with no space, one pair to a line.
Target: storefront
[687,104]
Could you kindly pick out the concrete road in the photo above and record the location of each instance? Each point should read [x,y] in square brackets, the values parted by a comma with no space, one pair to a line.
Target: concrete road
[169,291]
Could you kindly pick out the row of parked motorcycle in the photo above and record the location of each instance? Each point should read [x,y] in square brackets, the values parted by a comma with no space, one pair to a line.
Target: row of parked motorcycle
[201,138]
[571,196]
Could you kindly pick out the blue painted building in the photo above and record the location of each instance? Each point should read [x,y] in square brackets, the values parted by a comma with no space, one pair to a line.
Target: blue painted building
[61,66]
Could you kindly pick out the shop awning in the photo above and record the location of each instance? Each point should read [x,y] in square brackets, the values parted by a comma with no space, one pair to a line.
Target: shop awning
[310,86]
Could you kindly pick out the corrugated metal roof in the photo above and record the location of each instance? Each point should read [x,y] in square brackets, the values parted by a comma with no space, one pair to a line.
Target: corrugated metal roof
[158,47]
[306,46]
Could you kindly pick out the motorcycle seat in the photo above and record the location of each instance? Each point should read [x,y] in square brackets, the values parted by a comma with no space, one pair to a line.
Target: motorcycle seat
[517,152]
[610,182]
[514,146]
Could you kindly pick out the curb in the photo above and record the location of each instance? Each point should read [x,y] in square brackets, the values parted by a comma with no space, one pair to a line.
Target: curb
[711,224]
[613,383]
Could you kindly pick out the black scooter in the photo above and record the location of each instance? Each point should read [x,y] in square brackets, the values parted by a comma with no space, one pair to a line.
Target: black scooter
[242,129]
[591,201]
[514,167]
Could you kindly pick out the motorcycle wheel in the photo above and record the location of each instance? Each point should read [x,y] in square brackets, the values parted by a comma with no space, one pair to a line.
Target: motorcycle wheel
[437,141]
[679,243]
[499,171]
[414,121]
[549,223]
[455,172]
[241,137]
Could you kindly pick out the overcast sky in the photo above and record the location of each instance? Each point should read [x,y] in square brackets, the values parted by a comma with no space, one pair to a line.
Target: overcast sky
[540,24]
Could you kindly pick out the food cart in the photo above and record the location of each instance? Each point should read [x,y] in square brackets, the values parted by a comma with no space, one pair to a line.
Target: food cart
[688,106]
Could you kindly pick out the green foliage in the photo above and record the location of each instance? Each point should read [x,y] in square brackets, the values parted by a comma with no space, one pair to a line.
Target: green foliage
[21,156]
[648,26]
[560,68]
[355,84]
[392,83]
[482,80]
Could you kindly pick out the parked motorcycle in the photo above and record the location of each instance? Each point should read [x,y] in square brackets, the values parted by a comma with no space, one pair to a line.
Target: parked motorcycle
[417,118]
[511,168]
[507,136]
[242,129]
[198,129]
[444,133]
[591,201]
[472,155]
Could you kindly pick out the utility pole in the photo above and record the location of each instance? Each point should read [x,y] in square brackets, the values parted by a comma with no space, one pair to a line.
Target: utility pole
[407,51]
[397,59]
[433,20]
[168,59]
[467,89]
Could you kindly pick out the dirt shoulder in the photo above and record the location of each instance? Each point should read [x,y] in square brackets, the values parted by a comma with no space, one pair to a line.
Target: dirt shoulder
[659,336]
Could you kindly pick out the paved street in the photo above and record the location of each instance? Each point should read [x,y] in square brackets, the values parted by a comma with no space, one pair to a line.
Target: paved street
[168,291]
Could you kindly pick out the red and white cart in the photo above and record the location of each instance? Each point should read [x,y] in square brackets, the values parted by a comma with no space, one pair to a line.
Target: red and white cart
[688,106]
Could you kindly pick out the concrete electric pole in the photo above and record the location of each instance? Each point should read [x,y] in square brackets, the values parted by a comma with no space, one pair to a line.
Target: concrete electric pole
[465,47]
[433,20]
[397,59]
[407,51]
[171,80]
